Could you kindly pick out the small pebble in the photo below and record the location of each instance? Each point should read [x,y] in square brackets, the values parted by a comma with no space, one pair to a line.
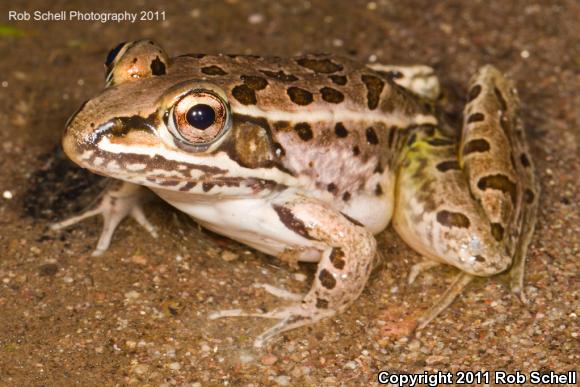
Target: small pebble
[256,18]
[229,256]
[68,280]
[282,380]
[7,195]
[139,260]
[175,366]
[351,365]
[269,359]
[246,358]
[131,295]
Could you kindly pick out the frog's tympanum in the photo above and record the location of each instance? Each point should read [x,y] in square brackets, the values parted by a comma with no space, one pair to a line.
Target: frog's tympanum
[307,159]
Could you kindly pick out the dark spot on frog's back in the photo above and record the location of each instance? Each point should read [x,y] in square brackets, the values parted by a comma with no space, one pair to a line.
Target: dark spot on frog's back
[372,136]
[293,223]
[300,96]
[338,79]
[346,196]
[325,66]
[207,187]
[450,165]
[331,95]
[477,145]
[452,219]
[337,258]
[304,131]
[497,231]
[254,83]
[525,160]
[500,99]
[498,182]
[244,94]
[340,130]
[157,67]
[327,279]
[475,117]
[213,70]
[374,87]
[321,304]
[529,196]
[280,75]
[473,93]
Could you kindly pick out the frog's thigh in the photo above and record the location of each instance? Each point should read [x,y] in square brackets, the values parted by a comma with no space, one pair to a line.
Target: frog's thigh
[436,214]
[496,160]
[418,78]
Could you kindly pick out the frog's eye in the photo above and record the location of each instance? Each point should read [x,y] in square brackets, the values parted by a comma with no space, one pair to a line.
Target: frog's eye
[132,61]
[199,118]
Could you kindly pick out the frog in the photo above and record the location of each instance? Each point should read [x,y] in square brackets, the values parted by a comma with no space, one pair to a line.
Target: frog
[307,159]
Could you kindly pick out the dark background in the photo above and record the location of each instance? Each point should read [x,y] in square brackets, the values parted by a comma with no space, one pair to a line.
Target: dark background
[138,314]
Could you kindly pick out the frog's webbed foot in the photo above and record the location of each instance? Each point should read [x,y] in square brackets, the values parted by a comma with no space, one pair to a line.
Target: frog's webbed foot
[419,79]
[119,201]
[349,253]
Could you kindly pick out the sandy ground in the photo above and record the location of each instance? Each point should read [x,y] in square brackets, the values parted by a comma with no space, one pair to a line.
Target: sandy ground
[138,315]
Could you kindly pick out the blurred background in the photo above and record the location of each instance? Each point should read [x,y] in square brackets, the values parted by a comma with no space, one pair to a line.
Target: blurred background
[138,314]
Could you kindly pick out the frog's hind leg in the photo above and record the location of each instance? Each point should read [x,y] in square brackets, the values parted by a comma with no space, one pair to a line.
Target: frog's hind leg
[491,120]
[419,79]
[348,256]
[120,200]
[464,207]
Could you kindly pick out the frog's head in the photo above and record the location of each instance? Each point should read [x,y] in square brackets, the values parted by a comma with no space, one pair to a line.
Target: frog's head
[154,125]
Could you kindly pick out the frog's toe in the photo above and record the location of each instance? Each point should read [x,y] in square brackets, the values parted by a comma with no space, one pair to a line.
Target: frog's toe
[456,288]
[419,268]
[280,293]
[291,317]
[116,204]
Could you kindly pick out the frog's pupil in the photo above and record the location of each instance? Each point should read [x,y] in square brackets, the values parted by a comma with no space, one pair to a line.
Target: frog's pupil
[113,53]
[201,116]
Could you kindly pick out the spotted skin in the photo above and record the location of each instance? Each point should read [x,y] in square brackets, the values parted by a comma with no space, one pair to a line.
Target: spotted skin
[306,158]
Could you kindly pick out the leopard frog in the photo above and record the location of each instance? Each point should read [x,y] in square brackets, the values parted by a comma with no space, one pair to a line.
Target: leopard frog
[306,159]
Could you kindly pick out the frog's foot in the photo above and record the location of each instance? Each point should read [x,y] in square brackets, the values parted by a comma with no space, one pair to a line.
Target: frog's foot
[120,200]
[456,288]
[419,79]
[348,254]
[279,292]
[291,317]
[419,268]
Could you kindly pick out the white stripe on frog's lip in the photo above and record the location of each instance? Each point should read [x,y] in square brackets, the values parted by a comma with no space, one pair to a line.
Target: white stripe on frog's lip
[335,115]
[220,160]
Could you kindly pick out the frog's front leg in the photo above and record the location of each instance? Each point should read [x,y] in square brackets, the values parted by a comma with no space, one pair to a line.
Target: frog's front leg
[348,256]
[120,200]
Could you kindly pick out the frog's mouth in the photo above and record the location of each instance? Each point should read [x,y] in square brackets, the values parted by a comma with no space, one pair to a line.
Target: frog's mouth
[137,155]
